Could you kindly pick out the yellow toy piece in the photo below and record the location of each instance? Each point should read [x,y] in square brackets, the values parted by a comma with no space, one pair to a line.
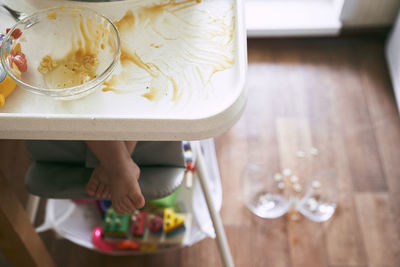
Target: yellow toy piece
[172,220]
[7,85]
[148,247]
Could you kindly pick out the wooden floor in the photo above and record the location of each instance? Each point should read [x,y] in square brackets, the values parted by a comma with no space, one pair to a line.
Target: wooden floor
[332,94]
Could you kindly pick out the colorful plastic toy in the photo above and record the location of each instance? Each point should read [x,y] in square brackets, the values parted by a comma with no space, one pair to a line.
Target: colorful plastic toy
[174,223]
[138,223]
[97,239]
[155,224]
[18,62]
[103,205]
[116,225]
[148,247]
[165,202]
[127,245]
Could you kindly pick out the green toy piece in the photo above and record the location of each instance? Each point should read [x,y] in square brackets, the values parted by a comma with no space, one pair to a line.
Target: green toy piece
[165,202]
[115,225]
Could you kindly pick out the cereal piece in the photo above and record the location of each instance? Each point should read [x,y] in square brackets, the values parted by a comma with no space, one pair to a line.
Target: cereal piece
[294,179]
[316,184]
[297,188]
[287,172]
[46,65]
[278,177]
[300,154]
[281,185]
[312,204]
[52,15]
[314,151]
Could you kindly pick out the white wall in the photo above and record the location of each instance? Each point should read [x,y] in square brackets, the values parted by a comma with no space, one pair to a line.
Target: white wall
[393,59]
[363,13]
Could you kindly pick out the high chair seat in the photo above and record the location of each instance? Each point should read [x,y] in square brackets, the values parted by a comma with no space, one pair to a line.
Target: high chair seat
[61,169]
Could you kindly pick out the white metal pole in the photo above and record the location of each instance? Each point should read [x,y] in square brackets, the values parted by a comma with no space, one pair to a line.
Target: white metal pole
[216,219]
[32,207]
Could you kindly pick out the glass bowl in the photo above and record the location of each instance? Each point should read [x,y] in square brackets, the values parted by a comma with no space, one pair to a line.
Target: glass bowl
[68,51]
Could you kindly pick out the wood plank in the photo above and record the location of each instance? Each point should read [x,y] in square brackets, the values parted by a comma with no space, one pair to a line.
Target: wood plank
[263,243]
[376,83]
[14,161]
[388,137]
[385,120]
[306,238]
[352,108]
[378,227]
[343,239]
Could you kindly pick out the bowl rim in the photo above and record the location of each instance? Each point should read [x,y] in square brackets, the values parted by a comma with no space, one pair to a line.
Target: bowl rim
[62,91]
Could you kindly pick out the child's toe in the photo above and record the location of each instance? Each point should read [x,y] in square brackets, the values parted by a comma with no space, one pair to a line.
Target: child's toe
[91,187]
[105,192]
[99,190]
[124,207]
[128,204]
[118,209]
[138,200]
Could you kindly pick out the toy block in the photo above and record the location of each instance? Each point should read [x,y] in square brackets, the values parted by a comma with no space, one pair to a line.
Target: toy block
[138,223]
[116,225]
[174,223]
[155,224]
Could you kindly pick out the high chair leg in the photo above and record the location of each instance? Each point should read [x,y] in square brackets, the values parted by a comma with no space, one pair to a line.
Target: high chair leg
[32,207]
[19,242]
[216,219]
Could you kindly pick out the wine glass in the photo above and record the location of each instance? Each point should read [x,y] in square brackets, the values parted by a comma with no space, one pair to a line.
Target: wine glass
[319,200]
[265,194]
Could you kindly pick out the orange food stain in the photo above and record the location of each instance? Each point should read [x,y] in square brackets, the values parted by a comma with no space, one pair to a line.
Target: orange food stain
[128,56]
[127,23]
[154,94]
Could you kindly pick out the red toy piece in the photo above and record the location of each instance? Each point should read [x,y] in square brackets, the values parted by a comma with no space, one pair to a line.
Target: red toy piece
[138,223]
[127,245]
[190,166]
[155,224]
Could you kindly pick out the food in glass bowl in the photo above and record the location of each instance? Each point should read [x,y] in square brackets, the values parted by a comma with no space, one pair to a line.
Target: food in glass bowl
[69,51]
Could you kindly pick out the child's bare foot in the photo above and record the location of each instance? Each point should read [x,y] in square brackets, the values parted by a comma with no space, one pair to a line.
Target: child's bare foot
[125,190]
[117,173]
[98,184]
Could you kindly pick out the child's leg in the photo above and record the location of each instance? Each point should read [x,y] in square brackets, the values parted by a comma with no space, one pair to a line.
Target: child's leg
[116,175]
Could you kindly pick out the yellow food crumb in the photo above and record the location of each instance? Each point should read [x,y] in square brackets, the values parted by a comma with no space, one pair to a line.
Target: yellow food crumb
[52,15]
[74,69]
[46,65]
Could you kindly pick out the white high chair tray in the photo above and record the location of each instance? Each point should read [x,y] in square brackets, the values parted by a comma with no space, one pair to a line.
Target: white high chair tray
[200,51]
